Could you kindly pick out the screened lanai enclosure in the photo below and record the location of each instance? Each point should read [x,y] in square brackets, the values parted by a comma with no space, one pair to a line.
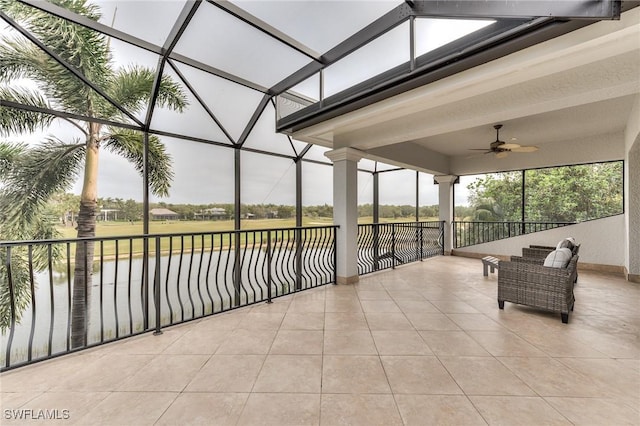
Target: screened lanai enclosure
[156,165]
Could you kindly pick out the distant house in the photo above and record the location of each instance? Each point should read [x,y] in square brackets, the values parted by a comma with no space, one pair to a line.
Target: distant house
[272,214]
[163,214]
[215,213]
[107,214]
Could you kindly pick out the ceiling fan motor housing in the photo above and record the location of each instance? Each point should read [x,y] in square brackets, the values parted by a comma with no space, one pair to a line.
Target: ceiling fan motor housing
[495,146]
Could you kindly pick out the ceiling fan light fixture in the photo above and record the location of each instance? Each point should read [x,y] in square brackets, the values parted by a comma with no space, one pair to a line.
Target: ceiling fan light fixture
[529,148]
[502,154]
[510,146]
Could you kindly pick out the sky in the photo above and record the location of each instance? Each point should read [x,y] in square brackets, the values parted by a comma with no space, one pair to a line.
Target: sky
[204,173]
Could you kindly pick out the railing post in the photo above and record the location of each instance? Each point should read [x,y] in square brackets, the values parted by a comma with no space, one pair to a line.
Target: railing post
[393,246]
[269,267]
[145,283]
[298,237]
[237,276]
[421,243]
[335,255]
[376,246]
[156,288]
[85,331]
[12,305]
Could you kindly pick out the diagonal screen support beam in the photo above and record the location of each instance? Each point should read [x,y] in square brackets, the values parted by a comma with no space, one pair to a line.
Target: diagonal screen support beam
[254,119]
[200,100]
[178,29]
[66,115]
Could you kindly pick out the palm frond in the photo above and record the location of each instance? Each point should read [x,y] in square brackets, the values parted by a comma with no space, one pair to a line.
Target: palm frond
[14,120]
[9,153]
[20,279]
[21,59]
[132,87]
[38,173]
[19,263]
[171,94]
[130,145]
[80,47]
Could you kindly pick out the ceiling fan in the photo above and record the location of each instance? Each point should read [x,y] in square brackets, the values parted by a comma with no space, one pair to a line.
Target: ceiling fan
[502,149]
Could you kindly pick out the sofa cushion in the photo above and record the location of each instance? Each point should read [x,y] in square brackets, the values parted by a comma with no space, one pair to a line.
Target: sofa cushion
[558,258]
[567,243]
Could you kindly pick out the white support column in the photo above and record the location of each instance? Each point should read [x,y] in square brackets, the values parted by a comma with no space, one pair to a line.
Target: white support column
[446,208]
[345,211]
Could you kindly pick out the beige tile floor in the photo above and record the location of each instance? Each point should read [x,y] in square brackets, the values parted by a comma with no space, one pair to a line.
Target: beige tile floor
[422,345]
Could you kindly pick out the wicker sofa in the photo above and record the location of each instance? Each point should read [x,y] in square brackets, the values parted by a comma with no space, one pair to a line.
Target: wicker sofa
[537,252]
[526,281]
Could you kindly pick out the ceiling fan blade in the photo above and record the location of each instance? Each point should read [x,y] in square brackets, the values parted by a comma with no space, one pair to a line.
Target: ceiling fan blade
[510,146]
[529,148]
[502,154]
[479,149]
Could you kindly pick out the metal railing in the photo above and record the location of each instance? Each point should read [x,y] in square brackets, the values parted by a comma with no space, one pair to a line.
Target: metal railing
[141,283]
[470,233]
[387,245]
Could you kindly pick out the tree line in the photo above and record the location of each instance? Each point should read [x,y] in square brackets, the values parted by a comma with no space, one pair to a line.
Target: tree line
[64,208]
[555,194]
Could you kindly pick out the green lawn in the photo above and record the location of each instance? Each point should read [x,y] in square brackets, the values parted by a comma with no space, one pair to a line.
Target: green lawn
[112,229]
[176,244]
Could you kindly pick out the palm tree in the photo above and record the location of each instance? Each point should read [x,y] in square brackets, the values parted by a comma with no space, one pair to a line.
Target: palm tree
[52,166]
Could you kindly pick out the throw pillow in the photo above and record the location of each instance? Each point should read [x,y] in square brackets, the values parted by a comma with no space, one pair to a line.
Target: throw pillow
[558,258]
[566,243]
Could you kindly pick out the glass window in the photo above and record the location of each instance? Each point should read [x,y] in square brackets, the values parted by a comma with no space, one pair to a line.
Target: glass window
[574,193]
[429,197]
[263,136]
[317,194]
[316,153]
[126,58]
[365,197]
[309,88]
[203,179]
[268,189]
[382,54]
[124,15]
[232,104]
[320,25]
[193,121]
[489,197]
[433,33]
[397,195]
[299,96]
[216,38]
[366,164]
[202,172]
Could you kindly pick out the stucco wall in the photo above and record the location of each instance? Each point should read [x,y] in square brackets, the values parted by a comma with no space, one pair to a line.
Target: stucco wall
[632,191]
[601,241]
